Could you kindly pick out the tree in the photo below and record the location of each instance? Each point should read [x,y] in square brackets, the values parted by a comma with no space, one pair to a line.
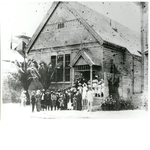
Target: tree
[31,71]
[28,72]
[43,74]
[46,73]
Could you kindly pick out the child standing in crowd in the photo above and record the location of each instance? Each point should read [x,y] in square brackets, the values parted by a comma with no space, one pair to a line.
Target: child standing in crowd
[43,105]
[23,98]
[33,100]
[38,100]
[61,101]
[74,103]
[69,100]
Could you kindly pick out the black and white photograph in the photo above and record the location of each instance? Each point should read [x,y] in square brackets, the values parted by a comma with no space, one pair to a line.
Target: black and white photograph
[74,60]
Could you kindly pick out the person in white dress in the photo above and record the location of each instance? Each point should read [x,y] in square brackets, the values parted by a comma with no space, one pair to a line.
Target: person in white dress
[90,98]
[23,98]
[99,89]
[80,88]
[69,101]
[84,94]
[95,85]
[101,85]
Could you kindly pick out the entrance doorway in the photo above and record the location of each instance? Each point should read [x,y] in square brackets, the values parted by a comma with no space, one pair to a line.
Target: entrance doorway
[84,74]
[83,71]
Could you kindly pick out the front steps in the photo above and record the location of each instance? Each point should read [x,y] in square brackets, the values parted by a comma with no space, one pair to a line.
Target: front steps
[96,104]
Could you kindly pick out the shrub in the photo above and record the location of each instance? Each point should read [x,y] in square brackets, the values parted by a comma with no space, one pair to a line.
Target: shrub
[120,104]
[144,98]
[11,88]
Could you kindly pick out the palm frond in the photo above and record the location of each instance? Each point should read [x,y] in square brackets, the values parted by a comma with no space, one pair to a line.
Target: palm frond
[34,72]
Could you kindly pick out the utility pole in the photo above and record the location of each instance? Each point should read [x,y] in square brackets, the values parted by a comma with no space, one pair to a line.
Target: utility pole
[144,29]
[142,46]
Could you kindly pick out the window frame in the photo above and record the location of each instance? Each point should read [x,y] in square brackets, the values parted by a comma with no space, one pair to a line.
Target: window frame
[61,25]
[65,67]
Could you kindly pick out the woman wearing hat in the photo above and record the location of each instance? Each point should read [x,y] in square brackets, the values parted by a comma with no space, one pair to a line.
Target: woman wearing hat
[43,105]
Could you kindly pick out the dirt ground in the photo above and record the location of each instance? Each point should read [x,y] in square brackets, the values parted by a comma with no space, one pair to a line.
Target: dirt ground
[15,111]
[52,129]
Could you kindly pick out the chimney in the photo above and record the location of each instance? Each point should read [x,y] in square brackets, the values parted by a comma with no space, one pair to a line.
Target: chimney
[113,24]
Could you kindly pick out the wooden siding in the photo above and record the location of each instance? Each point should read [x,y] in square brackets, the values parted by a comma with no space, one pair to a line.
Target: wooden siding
[116,55]
[137,76]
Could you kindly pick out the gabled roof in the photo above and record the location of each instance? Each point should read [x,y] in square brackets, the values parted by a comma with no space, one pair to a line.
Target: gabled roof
[98,25]
[102,25]
[86,56]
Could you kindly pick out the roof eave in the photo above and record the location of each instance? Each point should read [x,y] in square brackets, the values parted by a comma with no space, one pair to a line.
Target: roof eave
[106,43]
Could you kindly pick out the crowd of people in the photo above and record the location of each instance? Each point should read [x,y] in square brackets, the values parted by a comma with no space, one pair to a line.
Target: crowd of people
[78,97]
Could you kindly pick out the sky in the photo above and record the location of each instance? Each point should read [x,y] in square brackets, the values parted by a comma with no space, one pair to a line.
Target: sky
[23,17]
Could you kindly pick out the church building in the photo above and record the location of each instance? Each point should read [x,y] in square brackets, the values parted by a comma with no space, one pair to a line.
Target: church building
[88,44]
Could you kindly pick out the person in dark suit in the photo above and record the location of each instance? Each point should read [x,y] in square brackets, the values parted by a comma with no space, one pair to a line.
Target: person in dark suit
[33,100]
[66,99]
[48,99]
[79,100]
